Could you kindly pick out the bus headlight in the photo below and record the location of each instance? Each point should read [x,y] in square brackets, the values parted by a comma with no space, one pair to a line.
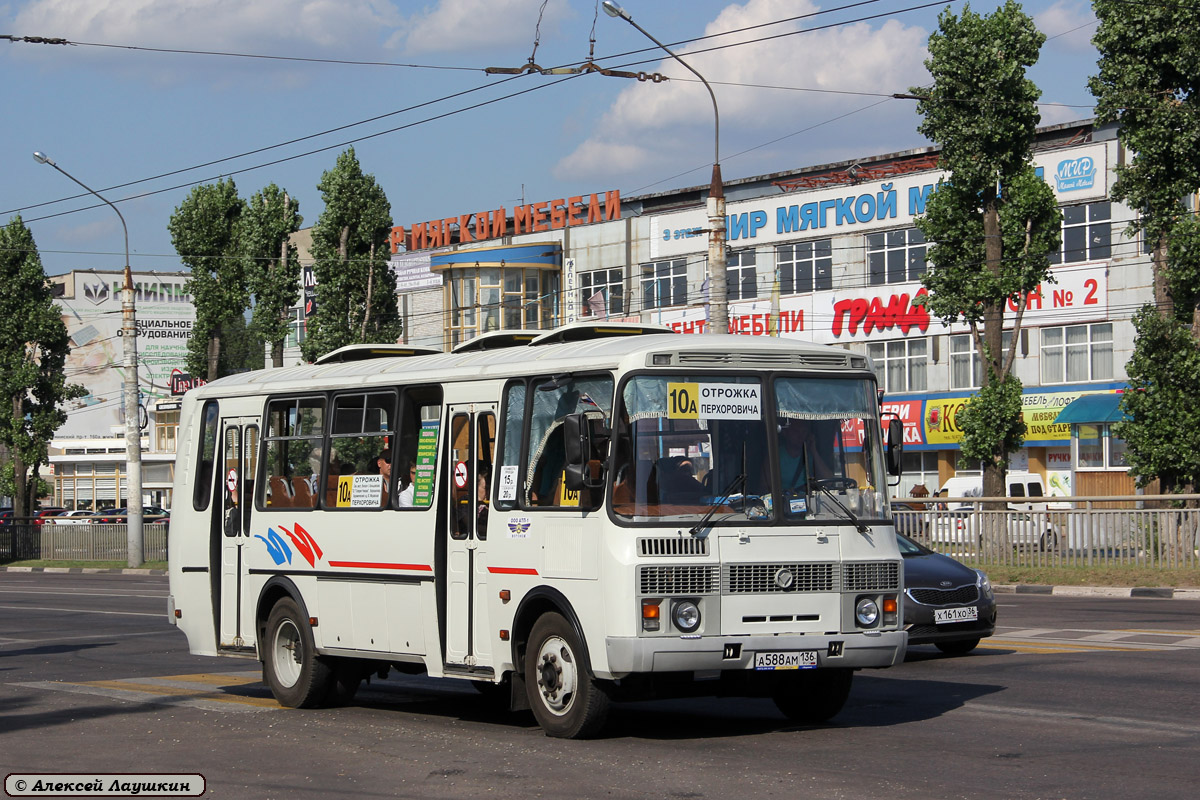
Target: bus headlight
[866,611]
[686,615]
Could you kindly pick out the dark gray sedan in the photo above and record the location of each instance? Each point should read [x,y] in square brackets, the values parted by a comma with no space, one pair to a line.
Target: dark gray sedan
[946,604]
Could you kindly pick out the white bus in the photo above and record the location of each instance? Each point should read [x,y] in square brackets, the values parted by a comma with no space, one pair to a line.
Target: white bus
[596,513]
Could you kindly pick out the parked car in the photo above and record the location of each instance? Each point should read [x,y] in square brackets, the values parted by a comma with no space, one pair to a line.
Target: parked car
[41,516]
[947,604]
[1030,522]
[121,515]
[79,516]
[6,516]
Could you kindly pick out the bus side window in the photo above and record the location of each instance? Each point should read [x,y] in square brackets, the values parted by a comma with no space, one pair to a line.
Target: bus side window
[292,452]
[415,460]
[507,474]
[206,457]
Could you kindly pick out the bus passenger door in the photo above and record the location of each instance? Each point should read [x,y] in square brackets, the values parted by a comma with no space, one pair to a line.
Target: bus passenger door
[472,450]
[239,461]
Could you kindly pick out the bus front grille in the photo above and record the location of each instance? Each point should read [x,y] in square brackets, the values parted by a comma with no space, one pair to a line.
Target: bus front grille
[767,578]
[684,579]
[673,546]
[870,576]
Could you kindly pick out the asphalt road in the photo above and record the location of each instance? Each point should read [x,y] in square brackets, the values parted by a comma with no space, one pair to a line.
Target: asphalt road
[1073,698]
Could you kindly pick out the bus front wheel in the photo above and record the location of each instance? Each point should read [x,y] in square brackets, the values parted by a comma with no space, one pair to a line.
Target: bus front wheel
[565,698]
[814,696]
[298,677]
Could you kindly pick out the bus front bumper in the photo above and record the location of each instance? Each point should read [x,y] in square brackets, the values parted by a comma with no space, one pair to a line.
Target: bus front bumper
[629,655]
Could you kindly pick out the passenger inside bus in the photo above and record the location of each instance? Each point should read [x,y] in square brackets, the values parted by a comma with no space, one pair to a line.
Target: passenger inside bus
[408,482]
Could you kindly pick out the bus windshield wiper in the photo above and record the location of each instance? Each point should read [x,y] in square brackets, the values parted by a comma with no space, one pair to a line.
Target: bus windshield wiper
[821,485]
[720,500]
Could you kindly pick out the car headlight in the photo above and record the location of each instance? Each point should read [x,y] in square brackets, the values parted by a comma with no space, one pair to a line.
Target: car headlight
[866,611]
[686,615]
[985,586]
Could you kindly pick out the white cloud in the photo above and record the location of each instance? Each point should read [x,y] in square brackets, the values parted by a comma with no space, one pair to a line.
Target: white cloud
[465,26]
[1070,23]
[854,58]
[212,24]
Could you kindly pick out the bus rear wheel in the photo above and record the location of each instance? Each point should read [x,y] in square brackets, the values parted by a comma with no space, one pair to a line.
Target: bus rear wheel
[814,696]
[564,696]
[298,677]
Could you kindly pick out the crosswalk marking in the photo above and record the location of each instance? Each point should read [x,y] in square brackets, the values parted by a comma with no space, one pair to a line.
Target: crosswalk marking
[1076,640]
[231,691]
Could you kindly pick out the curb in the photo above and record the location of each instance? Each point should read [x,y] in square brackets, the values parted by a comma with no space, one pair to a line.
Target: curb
[1153,592]
[85,570]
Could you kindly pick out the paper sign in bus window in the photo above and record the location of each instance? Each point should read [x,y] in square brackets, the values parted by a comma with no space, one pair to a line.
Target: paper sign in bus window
[714,401]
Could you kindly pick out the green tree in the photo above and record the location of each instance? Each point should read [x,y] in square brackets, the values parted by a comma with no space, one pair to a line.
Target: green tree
[206,230]
[994,222]
[272,264]
[1148,85]
[356,289]
[33,350]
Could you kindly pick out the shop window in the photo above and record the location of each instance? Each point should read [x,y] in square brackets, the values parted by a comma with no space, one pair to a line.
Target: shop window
[805,266]
[741,275]
[1096,448]
[664,283]
[484,299]
[920,469]
[602,292]
[1077,353]
[900,365]
[966,368]
[1086,234]
[895,256]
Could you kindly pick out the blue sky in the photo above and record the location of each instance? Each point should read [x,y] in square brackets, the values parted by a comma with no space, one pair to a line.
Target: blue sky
[113,115]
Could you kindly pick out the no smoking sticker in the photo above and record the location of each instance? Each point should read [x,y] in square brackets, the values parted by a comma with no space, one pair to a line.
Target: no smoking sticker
[231,480]
[460,474]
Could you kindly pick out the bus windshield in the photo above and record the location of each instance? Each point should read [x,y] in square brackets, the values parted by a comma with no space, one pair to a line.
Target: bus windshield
[792,451]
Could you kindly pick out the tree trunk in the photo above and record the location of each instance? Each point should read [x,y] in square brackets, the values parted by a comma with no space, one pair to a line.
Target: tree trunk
[214,356]
[994,468]
[370,287]
[1162,293]
[20,490]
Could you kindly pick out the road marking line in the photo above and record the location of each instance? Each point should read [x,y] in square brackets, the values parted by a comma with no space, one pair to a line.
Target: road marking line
[1121,723]
[136,685]
[1064,647]
[206,702]
[90,636]
[162,596]
[162,614]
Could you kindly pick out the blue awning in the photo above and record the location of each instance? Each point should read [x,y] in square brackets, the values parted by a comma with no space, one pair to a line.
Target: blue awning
[1092,409]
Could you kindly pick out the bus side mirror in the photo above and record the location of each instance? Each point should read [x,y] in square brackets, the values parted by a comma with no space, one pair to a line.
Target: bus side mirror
[895,446]
[577,447]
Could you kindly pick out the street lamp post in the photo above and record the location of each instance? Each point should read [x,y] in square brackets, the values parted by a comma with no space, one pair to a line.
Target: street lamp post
[718,321]
[133,435]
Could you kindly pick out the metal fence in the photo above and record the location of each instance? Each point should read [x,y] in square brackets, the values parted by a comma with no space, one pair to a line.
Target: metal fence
[1144,531]
[1134,530]
[23,541]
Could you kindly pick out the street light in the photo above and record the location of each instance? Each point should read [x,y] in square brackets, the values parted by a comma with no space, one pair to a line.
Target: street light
[133,435]
[717,290]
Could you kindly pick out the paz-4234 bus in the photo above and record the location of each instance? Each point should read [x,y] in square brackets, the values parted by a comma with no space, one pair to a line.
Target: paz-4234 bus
[569,518]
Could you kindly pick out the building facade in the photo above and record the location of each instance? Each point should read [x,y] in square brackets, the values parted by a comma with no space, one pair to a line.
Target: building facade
[87,455]
[828,254]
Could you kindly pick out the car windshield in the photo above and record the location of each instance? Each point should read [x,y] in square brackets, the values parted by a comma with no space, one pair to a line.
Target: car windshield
[910,548]
[799,450]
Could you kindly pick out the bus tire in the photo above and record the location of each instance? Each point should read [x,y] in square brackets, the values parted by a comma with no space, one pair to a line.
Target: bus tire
[298,677]
[814,696]
[565,698]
